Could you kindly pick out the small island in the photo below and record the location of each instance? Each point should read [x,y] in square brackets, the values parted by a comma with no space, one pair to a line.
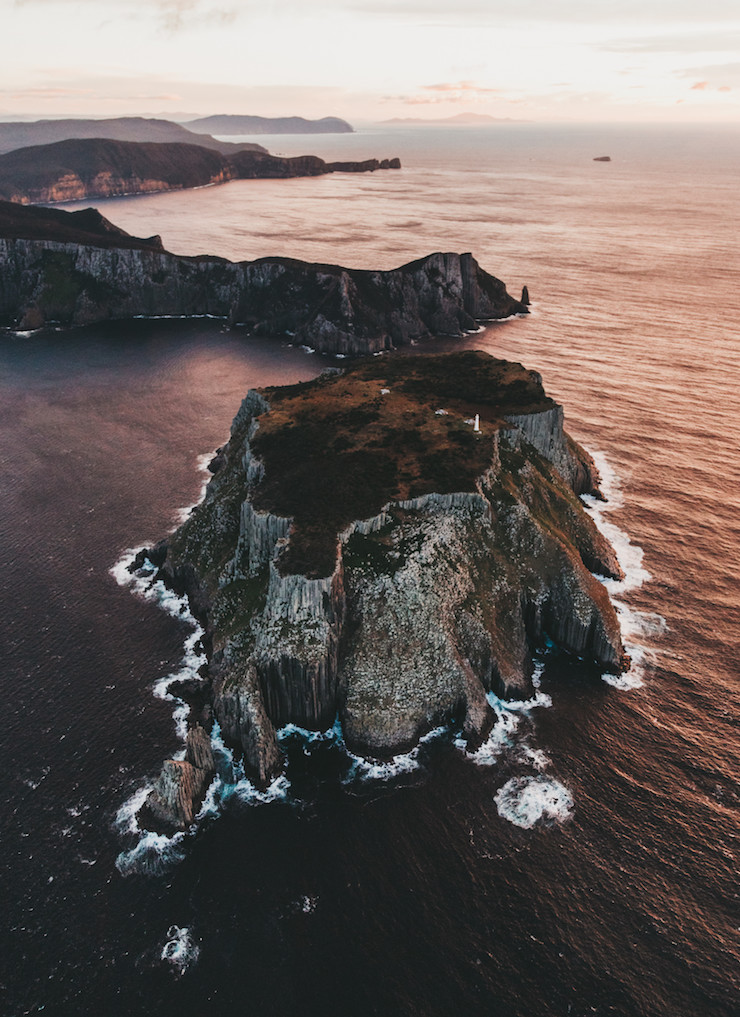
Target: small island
[384,545]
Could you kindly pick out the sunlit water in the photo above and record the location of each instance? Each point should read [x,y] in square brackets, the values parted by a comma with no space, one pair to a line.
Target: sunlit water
[584,861]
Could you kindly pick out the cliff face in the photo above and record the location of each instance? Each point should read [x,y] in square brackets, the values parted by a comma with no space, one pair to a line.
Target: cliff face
[431,598]
[332,309]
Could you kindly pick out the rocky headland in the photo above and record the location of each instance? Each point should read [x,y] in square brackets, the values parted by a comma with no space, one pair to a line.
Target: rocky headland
[77,169]
[364,553]
[76,268]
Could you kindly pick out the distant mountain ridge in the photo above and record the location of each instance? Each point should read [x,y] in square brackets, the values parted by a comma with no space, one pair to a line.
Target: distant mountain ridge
[469,119]
[14,135]
[227,123]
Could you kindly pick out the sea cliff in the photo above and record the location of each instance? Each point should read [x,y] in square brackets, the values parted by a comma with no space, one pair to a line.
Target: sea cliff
[101,273]
[362,552]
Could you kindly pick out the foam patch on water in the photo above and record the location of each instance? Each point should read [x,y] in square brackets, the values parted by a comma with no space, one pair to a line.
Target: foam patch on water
[638,627]
[527,801]
[180,950]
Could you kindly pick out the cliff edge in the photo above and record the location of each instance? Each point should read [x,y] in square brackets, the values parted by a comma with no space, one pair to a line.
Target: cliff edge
[363,552]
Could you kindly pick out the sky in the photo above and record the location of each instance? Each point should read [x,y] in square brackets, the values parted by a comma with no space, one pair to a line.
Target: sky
[372,60]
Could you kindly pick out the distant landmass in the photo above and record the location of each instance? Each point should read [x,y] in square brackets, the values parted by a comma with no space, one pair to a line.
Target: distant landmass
[229,124]
[46,132]
[459,118]
[102,168]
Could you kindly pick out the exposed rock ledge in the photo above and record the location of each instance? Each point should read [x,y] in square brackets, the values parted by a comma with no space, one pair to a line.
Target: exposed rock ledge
[468,551]
[332,309]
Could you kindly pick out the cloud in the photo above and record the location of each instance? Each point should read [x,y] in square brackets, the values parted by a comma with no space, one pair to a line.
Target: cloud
[719,40]
[173,15]
[587,12]
[45,93]
[714,77]
[461,86]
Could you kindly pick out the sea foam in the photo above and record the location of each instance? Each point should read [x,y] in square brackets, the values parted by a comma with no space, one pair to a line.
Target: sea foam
[638,627]
[180,949]
[526,801]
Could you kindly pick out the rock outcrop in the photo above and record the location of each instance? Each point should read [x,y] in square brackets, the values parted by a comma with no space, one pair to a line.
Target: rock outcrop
[183,783]
[397,601]
[332,309]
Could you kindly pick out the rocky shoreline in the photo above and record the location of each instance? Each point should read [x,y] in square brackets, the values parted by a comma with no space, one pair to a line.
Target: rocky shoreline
[433,597]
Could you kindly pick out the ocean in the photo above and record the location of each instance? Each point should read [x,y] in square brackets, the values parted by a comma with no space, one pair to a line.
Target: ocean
[586,862]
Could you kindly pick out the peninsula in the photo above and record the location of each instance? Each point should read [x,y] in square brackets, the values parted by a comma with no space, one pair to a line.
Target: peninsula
[76,268]
[78,169]
[363,552]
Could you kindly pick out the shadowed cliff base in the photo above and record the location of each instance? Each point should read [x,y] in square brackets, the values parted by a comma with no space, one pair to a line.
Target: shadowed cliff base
[364,552]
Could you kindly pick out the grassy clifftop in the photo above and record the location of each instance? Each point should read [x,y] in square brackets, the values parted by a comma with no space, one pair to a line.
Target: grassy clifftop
[339,448]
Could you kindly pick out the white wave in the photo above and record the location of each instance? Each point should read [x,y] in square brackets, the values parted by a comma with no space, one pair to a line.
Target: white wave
[152,855]
[509,714]
[202,462]
[232,781]
[526,801]
[638,627]
[127,816]
[539,759]
[143,584]
[363,769]
[246,792]
[180,950]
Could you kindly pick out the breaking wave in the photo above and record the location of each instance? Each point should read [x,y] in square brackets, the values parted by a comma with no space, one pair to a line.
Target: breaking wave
[639,628]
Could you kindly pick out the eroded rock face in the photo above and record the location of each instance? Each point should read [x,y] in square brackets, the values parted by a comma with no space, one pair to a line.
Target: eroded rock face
[182,784]
[432,601]
[332,309]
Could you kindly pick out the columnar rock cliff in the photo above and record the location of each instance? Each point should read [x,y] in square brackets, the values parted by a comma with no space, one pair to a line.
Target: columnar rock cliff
[332,309]
[363,552]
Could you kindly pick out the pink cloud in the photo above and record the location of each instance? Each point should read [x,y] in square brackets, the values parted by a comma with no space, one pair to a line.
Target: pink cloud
[700,86]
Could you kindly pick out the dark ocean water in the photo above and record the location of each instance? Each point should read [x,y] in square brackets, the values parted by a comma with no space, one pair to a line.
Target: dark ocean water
[592,868]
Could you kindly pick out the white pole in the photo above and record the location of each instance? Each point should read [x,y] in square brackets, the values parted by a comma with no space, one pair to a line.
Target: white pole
[476,425]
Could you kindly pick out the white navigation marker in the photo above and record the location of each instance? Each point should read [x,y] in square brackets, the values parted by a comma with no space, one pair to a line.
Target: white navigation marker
[476,424]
